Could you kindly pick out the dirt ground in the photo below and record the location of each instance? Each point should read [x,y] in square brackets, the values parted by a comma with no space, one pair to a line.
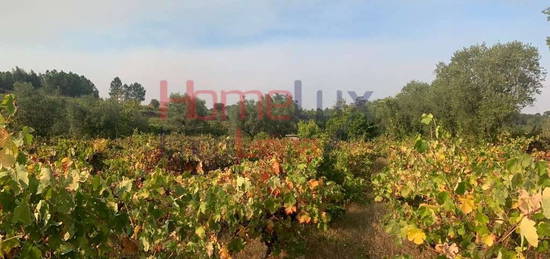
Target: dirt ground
[357,234]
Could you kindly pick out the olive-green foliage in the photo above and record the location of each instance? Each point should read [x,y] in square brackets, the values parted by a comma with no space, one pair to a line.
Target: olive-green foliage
[475,94]
[309,129]
[181,118]
[54,115]
[350,122]
[399,115]
[256,117]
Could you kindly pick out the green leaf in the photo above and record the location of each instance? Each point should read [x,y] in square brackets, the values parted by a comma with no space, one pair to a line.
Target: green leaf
[31,252]
[27,136]
[461,188]
[22,214]
[427,119]
[421,145]
[528,231]
[543,229]
[443,197]
[236,245]
[8,103]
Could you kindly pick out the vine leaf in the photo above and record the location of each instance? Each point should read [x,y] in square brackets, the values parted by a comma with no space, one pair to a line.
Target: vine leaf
[528,231]
[466,204]
[416,235]
[546,202]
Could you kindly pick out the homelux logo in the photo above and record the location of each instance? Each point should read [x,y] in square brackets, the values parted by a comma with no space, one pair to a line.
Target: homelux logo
[191,96]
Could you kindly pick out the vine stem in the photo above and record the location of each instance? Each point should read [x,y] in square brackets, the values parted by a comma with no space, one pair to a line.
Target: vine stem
[18,236]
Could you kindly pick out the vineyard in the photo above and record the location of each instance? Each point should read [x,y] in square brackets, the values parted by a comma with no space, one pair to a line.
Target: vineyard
[178,196]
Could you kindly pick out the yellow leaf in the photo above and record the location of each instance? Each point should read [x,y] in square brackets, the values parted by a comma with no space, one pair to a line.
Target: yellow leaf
[488,240]
[200,232]
[99,145]
[528,231]
[440,156]
[8,153]
[416,235]
[466,204]
[137,229]
[546,202]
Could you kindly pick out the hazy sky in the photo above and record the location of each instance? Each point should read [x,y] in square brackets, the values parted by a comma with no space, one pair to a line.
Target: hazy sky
[376,45]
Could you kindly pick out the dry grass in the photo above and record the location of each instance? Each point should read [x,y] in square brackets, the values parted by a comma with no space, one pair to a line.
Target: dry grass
[357,234]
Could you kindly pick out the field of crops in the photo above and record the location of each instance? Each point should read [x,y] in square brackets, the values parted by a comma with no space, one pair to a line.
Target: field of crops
[467,201]
[178,196]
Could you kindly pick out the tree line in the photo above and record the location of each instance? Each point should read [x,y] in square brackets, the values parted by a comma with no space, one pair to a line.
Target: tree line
[480,92]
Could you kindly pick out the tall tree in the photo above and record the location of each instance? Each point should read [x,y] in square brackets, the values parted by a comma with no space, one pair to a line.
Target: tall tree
[124,92]
[482,86]
[477,93]
[116,90]
[134,92]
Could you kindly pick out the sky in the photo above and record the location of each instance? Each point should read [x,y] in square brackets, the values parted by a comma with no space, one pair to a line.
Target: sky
[370,45]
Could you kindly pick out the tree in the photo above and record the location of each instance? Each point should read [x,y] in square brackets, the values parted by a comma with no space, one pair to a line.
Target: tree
[547,12]
[309,129]
[68,84]
[269,115]
[44,113]
[9,78]
[134,92]
[350,122]
[124,92]
[116,90]
[478,91]
[155,104]
[414,99]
